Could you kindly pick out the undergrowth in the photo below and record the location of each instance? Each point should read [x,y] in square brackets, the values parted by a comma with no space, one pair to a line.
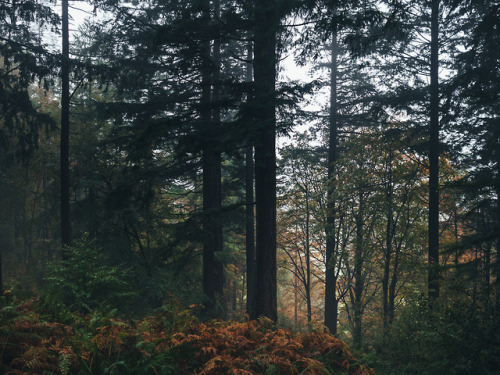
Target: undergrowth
[171,341]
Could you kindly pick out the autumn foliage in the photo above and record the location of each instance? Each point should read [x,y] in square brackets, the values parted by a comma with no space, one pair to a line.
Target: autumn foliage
[171,341]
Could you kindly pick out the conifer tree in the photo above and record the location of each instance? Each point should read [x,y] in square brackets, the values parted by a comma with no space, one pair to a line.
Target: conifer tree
[267,20]
[249,201]
[24,61]
[213,278]
[474,91]
[433,283]
[331,302]
[65,206]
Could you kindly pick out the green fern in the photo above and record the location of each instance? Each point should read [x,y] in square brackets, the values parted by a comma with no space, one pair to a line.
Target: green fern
[65,364]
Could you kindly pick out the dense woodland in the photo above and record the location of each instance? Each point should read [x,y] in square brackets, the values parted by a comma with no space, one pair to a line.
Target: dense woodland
[321,170]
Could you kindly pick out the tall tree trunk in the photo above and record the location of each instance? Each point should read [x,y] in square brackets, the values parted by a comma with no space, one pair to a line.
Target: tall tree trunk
[295,302]
[243,292]
[486,272]
[1,274]
[392,286]
[455,232]
[266,26]
[496,135]
[434,273]
[217,181]
[331,302]
[388,245]
[234,294]
[358,275]
[497,264]
[308,259]
[249,201]
[65,209]
[212,240]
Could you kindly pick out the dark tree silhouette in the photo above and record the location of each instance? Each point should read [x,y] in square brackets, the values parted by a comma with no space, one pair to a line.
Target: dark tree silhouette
[212,236]
[249,202]
[331,302]
[266,26]
[65,209]
[433,277]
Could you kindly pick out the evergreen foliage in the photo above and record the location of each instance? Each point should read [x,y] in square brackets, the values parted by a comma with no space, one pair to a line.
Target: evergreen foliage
[86,280]
[23,60]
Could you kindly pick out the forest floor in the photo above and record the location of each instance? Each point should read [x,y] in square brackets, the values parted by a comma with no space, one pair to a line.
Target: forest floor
[34,340]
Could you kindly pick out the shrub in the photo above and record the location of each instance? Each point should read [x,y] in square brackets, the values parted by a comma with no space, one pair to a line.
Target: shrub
[86,281]
[456,338]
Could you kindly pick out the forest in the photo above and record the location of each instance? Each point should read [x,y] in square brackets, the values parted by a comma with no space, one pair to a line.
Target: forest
[250,187]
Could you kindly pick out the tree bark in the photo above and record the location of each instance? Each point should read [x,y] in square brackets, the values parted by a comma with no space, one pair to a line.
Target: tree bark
[359,283]
[211,161]
[331,302]
[497,240]
[392,287]
[249,201]
[388,244]
[266,26]
[308,259]
[496,135]
[497,263]
[64,143]
[295,303]
[433,255]
[217,183]
[1,275]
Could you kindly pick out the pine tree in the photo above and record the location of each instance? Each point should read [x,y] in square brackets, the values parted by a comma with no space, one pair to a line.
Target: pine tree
[474,91]
[249,201]
[331,302]
[434,152]
[267,19]
[65,103]
[24,61]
